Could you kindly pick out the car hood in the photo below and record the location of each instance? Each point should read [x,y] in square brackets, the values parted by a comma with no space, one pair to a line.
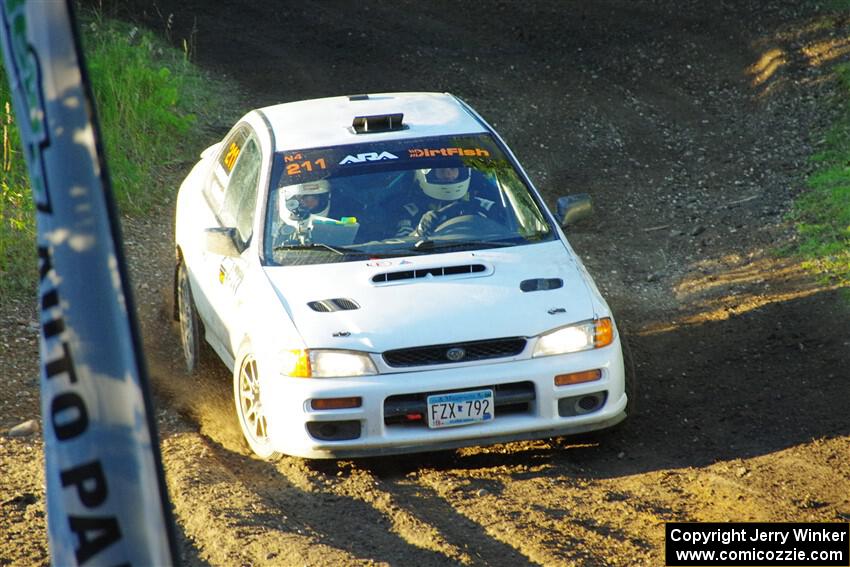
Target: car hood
[379,305]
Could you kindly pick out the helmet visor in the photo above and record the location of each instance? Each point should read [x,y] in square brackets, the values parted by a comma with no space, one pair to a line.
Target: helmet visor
[312,197]
[316,203]
[446,175]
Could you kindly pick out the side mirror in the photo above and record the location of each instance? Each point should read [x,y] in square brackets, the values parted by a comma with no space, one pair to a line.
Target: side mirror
[573,208]
[222,241]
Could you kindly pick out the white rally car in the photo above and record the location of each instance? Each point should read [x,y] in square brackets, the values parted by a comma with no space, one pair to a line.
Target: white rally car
[382,277]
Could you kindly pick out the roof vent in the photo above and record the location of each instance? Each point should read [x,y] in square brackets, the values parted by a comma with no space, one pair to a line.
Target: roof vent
[377,123]
[356,97]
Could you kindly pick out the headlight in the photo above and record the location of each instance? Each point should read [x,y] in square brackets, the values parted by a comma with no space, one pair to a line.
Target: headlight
[325,363]
[575,338]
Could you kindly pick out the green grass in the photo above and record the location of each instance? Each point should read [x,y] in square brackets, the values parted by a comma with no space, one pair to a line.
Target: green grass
[155,110]
[822,214]
[17,212]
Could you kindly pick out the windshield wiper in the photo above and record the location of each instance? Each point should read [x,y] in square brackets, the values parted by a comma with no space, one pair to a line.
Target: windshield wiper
[340,250]
[427,244]
[319,245]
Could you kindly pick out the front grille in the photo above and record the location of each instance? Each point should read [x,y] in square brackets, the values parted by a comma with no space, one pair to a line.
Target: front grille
[439,354]
[410,410]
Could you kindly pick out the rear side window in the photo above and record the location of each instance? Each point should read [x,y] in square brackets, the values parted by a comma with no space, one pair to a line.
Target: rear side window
[240,196]
[232,148]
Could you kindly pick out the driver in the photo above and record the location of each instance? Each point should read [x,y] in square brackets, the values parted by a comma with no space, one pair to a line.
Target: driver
[443,195]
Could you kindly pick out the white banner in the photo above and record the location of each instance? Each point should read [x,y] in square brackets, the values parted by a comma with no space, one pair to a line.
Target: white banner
[106,497]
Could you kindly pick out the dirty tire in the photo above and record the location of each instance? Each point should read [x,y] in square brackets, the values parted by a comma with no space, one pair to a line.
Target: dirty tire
[188,320]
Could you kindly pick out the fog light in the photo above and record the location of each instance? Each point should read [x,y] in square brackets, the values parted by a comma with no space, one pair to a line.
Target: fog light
[336,403]
[578,377]
[581,405]
[334,430]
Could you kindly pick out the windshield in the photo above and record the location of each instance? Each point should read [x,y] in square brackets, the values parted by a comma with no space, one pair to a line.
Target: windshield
[416,196]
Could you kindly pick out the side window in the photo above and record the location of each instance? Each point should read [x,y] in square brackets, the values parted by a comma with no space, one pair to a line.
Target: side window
[240,195]
[232,147]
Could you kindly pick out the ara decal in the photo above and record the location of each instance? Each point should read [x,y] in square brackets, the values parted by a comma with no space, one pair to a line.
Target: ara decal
[368,156]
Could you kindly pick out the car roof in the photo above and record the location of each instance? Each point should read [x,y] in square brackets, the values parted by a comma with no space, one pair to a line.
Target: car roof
[328,121]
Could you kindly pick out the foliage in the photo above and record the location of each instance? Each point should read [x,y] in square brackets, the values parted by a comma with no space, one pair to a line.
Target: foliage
[145,93]
[137,83]
[822,214]
[17,231]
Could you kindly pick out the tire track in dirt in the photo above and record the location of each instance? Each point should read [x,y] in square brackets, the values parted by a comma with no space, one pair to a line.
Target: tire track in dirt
[268,531]
[517,509]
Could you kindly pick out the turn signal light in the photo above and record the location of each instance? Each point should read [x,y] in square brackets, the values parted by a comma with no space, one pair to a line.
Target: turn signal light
[295,363]
[578,377]
[604,334]
[336,403]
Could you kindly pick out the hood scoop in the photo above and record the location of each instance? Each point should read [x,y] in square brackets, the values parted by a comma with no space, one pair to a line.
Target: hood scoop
[541,284]
[434,272]
[330,305]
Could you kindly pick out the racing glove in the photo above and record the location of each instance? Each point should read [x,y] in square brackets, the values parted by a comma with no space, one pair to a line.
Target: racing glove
[433,219]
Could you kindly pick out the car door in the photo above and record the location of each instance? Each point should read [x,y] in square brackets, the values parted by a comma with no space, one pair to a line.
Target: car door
[237,211]
[231,193]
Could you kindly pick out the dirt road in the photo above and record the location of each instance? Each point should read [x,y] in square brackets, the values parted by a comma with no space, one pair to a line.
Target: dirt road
[690,124]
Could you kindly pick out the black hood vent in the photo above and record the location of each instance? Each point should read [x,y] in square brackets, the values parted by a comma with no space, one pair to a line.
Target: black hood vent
[463,269]
[541,284]
[329,305]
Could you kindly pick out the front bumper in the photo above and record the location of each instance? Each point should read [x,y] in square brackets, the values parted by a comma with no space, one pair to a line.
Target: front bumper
[291,417]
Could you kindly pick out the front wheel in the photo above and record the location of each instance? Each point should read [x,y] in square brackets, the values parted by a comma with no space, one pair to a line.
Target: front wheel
[187,317]
[250,409]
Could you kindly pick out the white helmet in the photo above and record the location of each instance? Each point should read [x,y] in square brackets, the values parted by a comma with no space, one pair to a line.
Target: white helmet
[444,183]
[304,199]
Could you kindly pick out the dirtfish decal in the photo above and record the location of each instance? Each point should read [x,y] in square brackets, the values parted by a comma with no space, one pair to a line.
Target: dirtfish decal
[447,152]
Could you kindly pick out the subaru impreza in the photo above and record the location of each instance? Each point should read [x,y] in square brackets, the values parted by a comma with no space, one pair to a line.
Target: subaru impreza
[381,276]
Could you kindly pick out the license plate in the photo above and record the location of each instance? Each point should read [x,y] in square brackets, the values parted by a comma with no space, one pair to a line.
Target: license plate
[460,408]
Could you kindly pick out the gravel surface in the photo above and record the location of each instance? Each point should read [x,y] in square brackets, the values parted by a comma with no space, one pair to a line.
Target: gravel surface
[690,124]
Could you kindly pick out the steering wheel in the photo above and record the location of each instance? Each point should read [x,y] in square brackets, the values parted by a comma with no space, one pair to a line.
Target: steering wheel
[469,226]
